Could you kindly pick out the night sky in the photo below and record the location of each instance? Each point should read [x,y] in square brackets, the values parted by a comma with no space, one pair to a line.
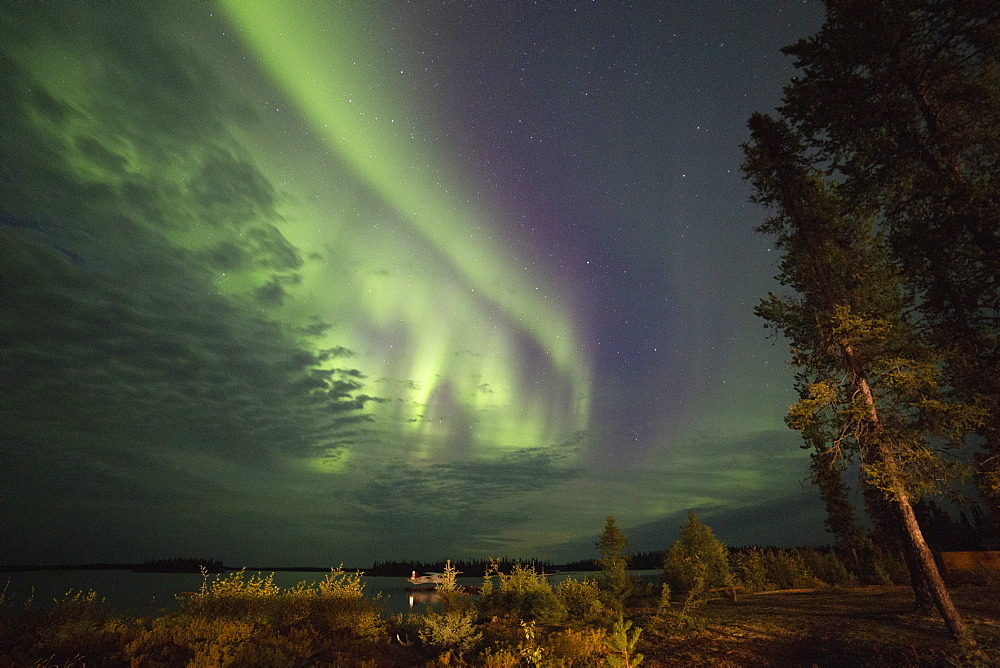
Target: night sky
[316,283]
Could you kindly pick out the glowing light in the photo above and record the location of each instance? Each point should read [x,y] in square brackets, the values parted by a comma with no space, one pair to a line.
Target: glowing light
[432,281]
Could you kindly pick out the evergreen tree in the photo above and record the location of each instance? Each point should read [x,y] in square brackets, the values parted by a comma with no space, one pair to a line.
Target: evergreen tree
[697,560]
[613,563]
[900,98]
[868,387]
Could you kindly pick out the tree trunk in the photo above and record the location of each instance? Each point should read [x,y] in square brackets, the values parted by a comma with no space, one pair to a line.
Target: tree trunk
[927,568]
[923,561]
[923,590]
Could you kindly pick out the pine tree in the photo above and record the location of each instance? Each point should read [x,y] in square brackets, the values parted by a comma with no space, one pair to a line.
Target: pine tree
[613,563]
[901,99]
[697,560]
[868,387]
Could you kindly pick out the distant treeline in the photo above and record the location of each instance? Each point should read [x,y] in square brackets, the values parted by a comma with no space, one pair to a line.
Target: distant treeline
[477,567]
[470,567]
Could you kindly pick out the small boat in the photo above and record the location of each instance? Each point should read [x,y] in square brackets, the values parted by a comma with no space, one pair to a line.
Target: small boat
[432,579]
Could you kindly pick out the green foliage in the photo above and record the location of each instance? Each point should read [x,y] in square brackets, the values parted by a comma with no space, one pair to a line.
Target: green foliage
[241,620]
[452,596]
[621,644]
[499,657]
[576,647]
[827,568]
[522,594]
[236,595]
[77,624]
[582,600]
[664,604]
[768,569]
[697,560]
[452,630]
[612,563]
[749,567]
[907,120]
[869,385]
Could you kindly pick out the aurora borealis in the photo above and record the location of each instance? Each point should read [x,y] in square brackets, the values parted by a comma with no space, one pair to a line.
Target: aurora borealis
[321,283]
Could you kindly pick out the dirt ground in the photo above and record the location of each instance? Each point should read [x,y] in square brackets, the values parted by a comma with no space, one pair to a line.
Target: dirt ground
[870,626]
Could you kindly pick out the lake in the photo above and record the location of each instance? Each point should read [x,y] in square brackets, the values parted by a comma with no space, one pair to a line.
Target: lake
[151,593]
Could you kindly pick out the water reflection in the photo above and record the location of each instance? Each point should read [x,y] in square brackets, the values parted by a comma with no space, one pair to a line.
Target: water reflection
[423,597]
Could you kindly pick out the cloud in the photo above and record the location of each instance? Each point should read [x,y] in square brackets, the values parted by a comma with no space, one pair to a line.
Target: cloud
[459,508]
[141,243]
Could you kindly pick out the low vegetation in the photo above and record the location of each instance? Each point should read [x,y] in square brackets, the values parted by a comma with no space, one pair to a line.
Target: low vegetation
[712,605]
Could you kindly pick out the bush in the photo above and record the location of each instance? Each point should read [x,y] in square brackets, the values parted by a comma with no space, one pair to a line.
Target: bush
[576,647]
[582,600]
[235,596]
[454,630]
[621,645]
[523,594]
[80,624]
[827,567]
[613,565]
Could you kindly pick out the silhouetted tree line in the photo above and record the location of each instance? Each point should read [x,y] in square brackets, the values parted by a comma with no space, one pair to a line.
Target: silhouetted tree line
[969,531]
[467,567]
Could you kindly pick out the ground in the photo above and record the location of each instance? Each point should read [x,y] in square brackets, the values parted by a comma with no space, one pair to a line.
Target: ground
[870,626]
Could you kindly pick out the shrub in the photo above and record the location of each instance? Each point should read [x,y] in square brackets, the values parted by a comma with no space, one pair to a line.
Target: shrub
[827,567]
[523,594]
[582,600]
[786,569]
[80,624]
[499,657]
[340,607]
[191,641]
[621,645]
[613,565]
[453,630]
[235,596]
[576,647]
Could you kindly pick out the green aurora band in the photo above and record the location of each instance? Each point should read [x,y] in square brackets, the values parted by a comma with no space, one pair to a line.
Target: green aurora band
[228,230]
[461,326]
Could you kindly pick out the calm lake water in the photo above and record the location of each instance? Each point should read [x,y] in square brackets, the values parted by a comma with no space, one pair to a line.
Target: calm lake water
[151,593]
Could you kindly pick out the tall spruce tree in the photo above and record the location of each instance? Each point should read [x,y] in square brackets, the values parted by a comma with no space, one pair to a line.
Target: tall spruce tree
[902,99]
[613,563]
[869,388]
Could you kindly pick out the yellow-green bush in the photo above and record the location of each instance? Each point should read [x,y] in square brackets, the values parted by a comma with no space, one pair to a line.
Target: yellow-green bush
[236,596]
[576,647]
[79,624]
[523,594]
[453,630]
[582,601]
[185,640]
